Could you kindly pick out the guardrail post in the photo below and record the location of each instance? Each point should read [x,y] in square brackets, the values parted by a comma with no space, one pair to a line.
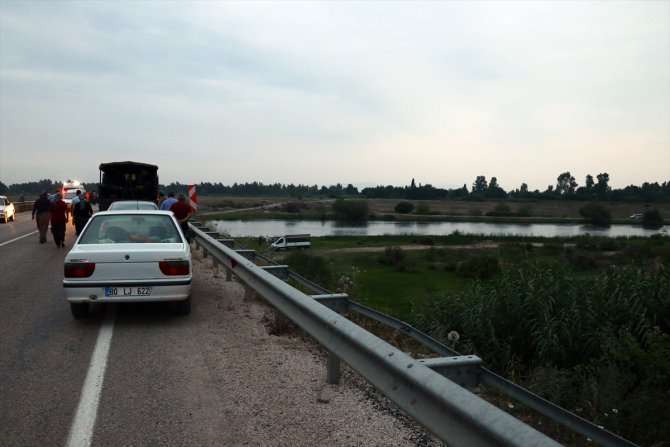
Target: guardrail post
[230,243]
[338,302]
[280,320]
[229,275]
[333,368]
[248,254]
[281,272]
[463,370]
[248,293]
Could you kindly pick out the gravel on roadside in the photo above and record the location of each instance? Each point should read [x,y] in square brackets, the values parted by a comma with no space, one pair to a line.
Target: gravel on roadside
[274,387]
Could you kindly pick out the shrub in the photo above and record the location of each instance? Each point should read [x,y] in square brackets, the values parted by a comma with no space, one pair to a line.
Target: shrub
[480,267]
[314,268]
[524,211]
[397,257]
[293,207]
[652,218]
[351,210]
[597,214]
[425,241]
[423,208]
[580,260]
[404,207]
[501,209]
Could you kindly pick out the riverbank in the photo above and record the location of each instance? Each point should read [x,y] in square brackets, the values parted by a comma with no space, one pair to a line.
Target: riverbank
[554,212]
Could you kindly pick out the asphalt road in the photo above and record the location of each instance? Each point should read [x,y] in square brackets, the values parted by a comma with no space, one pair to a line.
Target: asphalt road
[216,377]
[148,397]
[44,356]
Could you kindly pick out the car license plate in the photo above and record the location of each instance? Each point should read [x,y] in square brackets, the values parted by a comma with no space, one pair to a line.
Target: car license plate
[127,291]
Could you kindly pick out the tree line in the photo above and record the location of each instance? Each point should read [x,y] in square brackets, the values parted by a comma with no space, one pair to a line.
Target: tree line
[565,188]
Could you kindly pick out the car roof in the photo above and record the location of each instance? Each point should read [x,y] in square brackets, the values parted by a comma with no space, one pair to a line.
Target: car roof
[117,212]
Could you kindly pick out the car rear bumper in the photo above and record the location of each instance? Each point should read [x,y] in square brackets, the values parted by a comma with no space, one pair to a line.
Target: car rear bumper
[79,292]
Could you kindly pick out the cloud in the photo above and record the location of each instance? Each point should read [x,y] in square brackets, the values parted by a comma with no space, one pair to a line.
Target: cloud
[362,92]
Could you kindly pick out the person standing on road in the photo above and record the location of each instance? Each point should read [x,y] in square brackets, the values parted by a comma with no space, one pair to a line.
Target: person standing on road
[76,198]
[167,203]
[161,199]
[182,212]
[58,211]
[81,212]
[41,210]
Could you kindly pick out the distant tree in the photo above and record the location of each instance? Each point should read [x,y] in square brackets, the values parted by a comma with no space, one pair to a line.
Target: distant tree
[597,214]
[412,185]
[652,218]
[460,192]
[589,182]
[351,190]
[566,184]
[404,207]
[494,190]
[480,185]
[602,188]
[3,188]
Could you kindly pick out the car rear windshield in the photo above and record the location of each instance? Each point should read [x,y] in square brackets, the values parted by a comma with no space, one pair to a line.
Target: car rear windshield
[132,206]
[131,228]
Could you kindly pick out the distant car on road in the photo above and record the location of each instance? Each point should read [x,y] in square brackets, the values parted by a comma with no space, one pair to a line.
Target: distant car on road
[290,241]
[7,210]
[71,194]
[132,205]
[636,216]
[129,256]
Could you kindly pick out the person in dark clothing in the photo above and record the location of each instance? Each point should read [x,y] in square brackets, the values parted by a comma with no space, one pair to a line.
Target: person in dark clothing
[183,212]
[58,211]
[41,210]
[81,212]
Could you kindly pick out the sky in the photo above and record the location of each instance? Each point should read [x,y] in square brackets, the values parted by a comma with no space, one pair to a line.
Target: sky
[318,93]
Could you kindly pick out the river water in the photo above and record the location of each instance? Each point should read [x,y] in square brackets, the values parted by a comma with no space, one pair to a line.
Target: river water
[273,228]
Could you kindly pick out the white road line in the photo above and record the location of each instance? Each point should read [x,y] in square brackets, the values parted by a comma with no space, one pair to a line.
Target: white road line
[81,432]
[16,239]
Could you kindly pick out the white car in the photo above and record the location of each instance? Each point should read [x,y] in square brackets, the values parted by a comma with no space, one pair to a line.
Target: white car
[132,205]
[129,256]
[71,194]
[7,211]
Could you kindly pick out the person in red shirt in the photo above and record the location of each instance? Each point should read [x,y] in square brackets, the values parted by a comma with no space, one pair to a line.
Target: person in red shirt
[59,215]
[183,212]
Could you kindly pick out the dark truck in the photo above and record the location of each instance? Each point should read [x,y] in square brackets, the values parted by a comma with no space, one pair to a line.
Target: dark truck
[127,180]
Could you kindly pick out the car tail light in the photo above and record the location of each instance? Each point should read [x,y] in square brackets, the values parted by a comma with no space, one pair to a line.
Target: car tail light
[79,269]
[174,268]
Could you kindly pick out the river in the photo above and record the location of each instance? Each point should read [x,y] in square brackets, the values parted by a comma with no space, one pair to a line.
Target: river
[273,228]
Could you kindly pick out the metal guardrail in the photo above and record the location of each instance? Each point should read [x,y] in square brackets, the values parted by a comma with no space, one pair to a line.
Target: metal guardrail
[341,304]
[453,414]
[579,425]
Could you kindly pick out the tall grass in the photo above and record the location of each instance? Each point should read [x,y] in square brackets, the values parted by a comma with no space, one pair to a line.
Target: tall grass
[597,345]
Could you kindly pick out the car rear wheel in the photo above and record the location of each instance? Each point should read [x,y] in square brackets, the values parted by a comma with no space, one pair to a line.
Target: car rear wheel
[79,310]
[183,307]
